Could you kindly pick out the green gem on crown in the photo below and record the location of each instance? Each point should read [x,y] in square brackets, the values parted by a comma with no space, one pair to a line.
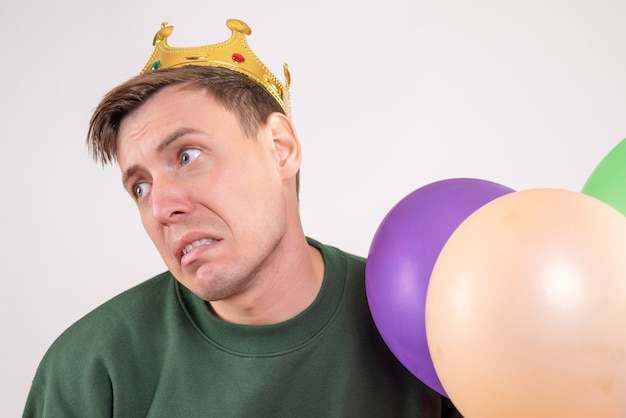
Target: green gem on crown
[155,65]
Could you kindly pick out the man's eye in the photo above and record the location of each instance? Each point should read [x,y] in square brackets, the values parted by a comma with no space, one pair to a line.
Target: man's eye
[140,190]
[188,156]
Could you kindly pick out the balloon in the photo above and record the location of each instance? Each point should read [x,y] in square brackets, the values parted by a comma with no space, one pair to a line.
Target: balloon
[401,257]
[608,181]
[526,309]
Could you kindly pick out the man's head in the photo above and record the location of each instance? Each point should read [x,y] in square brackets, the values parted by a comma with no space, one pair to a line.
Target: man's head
[211,158]
[212,166]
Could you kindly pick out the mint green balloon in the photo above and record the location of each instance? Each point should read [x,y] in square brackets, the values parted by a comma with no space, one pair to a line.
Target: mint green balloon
[608,180]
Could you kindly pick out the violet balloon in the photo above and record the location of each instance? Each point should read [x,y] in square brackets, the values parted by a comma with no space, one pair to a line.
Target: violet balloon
[401,259]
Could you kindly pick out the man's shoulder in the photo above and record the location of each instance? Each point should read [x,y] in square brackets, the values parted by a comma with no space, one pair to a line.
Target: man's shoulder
[106,343]
[137,297]
[132,309]
[132,301]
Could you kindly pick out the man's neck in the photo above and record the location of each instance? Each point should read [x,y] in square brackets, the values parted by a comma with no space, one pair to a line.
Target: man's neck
[278,295]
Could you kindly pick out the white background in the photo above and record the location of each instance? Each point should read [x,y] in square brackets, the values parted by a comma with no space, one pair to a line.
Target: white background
[387,96]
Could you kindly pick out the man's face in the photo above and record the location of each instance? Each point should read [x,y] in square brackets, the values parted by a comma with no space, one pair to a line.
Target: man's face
[211,199]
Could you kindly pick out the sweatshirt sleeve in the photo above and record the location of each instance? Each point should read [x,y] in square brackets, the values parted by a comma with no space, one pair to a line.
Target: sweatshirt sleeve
[34,403]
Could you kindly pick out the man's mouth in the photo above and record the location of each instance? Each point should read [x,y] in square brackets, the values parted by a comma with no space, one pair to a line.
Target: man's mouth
[197,243]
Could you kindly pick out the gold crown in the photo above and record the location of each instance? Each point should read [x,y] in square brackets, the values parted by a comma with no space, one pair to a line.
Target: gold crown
[234,54]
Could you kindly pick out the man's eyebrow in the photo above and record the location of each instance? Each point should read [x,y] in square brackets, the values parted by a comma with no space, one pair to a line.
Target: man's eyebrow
[130,171]
[167,141]
[173,137]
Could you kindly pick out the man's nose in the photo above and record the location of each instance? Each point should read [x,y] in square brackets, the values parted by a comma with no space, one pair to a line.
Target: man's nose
[169,200]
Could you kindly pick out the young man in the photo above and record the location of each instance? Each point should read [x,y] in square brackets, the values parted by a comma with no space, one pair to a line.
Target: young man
[252,318]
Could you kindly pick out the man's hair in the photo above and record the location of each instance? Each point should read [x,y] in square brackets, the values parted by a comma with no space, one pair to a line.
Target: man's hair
[248,100]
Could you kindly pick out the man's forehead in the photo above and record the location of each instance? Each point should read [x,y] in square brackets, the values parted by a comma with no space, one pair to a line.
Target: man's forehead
[153,112]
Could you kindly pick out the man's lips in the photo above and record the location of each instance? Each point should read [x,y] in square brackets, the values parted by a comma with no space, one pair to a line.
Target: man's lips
[197,243]
[187,244]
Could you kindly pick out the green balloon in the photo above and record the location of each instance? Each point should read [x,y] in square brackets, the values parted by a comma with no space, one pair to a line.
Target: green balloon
[608,180]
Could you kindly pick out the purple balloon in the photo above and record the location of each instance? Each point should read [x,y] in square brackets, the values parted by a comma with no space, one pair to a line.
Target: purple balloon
[402,256]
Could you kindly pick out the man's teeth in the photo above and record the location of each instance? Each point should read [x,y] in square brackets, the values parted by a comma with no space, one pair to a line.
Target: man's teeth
[197,243]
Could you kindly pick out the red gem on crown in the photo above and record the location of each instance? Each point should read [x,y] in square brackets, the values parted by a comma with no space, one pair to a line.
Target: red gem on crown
[238,58]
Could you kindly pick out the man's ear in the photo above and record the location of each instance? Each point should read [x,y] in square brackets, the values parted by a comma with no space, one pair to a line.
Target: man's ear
[286,144]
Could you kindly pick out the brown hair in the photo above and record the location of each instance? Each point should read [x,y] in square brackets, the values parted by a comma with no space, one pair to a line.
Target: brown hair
[238,93]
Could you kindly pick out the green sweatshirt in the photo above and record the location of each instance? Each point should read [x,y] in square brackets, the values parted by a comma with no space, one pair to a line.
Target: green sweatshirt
[157,351]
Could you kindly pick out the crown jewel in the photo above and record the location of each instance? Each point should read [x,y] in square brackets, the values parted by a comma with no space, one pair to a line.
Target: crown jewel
[234,54]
